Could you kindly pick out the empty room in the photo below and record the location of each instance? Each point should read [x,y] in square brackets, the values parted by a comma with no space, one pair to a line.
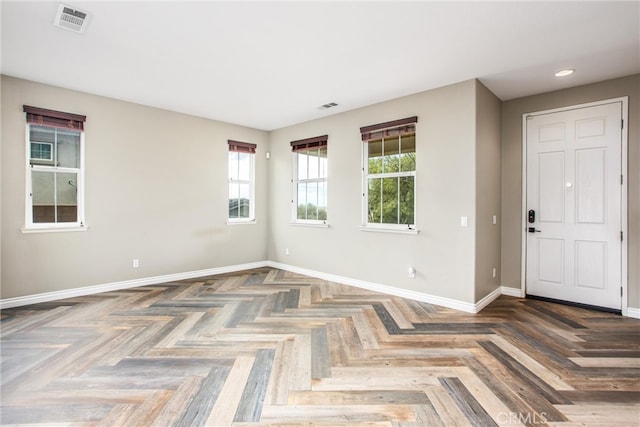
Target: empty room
[320,213]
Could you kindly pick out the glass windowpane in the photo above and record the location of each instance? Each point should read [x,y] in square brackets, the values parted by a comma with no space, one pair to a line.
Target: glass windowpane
[391,152]
[322,154]
[322,201]
[313,164]
[233,165]
[302,200]
[302,165]
[390,200]
[67,197]
[375,200]
[244,166]
[408,156]
[407,199]
[374,155]
[68,149]
[42,134]
[43,196]
[54,197]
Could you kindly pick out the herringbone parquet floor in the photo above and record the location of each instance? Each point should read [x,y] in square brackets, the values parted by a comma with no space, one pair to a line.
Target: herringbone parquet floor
[267,347]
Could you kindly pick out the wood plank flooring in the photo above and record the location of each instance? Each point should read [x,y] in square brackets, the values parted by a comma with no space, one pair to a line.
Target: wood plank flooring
[271,348]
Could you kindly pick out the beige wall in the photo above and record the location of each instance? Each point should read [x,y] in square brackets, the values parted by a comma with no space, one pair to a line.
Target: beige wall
[155,190]
[443,253]
[488,187]
[512,112]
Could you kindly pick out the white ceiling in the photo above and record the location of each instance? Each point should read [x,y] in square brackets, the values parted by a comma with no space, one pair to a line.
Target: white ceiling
[271,64]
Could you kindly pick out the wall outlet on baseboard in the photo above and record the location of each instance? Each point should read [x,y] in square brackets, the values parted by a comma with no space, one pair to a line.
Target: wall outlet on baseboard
[135,263]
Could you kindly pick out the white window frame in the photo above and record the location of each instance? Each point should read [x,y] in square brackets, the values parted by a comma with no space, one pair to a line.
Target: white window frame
[294,190]
[252,162]
[385,227]
[30,226]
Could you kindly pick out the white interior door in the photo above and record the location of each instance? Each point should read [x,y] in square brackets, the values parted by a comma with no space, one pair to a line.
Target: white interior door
[573,248]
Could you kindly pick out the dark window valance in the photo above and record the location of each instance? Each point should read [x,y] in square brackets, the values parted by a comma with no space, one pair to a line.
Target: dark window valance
[389,129]
[305,144]
[58,119]
[242,147]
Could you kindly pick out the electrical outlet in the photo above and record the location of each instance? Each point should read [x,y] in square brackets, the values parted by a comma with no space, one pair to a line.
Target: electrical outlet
[495,220]
[412,272]
[494,273]
[135,263]
[286,251]
[464,221]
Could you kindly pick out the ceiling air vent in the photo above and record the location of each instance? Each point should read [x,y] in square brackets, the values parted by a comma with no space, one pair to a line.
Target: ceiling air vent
[71,19]
[327,106]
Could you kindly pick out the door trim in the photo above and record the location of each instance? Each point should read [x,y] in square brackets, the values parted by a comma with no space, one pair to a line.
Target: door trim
[624,299]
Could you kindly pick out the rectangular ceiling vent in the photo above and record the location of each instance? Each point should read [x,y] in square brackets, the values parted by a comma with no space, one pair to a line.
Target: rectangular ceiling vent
[327,106]
[71,19]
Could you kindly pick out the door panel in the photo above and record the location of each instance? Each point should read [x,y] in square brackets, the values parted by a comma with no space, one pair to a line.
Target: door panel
[591,174]
[573,184]
[591,264]
[551,187]
[550,261]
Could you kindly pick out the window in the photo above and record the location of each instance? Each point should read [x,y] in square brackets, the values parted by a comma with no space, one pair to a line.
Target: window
[310,180]
[55,169]
[241,182]
[389,171]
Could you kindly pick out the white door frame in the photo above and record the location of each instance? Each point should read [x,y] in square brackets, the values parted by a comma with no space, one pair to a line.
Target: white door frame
[623,200]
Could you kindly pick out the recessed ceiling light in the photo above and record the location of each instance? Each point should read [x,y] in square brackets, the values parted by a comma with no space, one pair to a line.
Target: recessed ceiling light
[566,72]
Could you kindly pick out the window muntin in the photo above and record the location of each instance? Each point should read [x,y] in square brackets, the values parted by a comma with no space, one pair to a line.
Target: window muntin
[310,185]
[241,182]
[54,170]
[389,171]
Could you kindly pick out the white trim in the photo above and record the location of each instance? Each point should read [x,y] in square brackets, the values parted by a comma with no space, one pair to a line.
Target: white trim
[52,229]
[126,284]
[390,290]
[491,297]
[512,292]
[399,230]
[624,206]
[29,225]
[241,222]
[631,312]
[312,224]
[364,163]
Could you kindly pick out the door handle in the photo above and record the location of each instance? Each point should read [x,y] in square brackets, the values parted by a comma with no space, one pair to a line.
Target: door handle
[533,230]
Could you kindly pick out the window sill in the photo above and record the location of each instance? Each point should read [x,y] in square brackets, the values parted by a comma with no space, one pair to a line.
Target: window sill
[248,222]
[55,229]
[390,230]
[310,224]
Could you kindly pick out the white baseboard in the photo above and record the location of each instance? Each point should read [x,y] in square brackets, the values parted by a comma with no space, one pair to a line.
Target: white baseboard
[376,287]
[512,292]
[632,312]
[390,290]
[126,284]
